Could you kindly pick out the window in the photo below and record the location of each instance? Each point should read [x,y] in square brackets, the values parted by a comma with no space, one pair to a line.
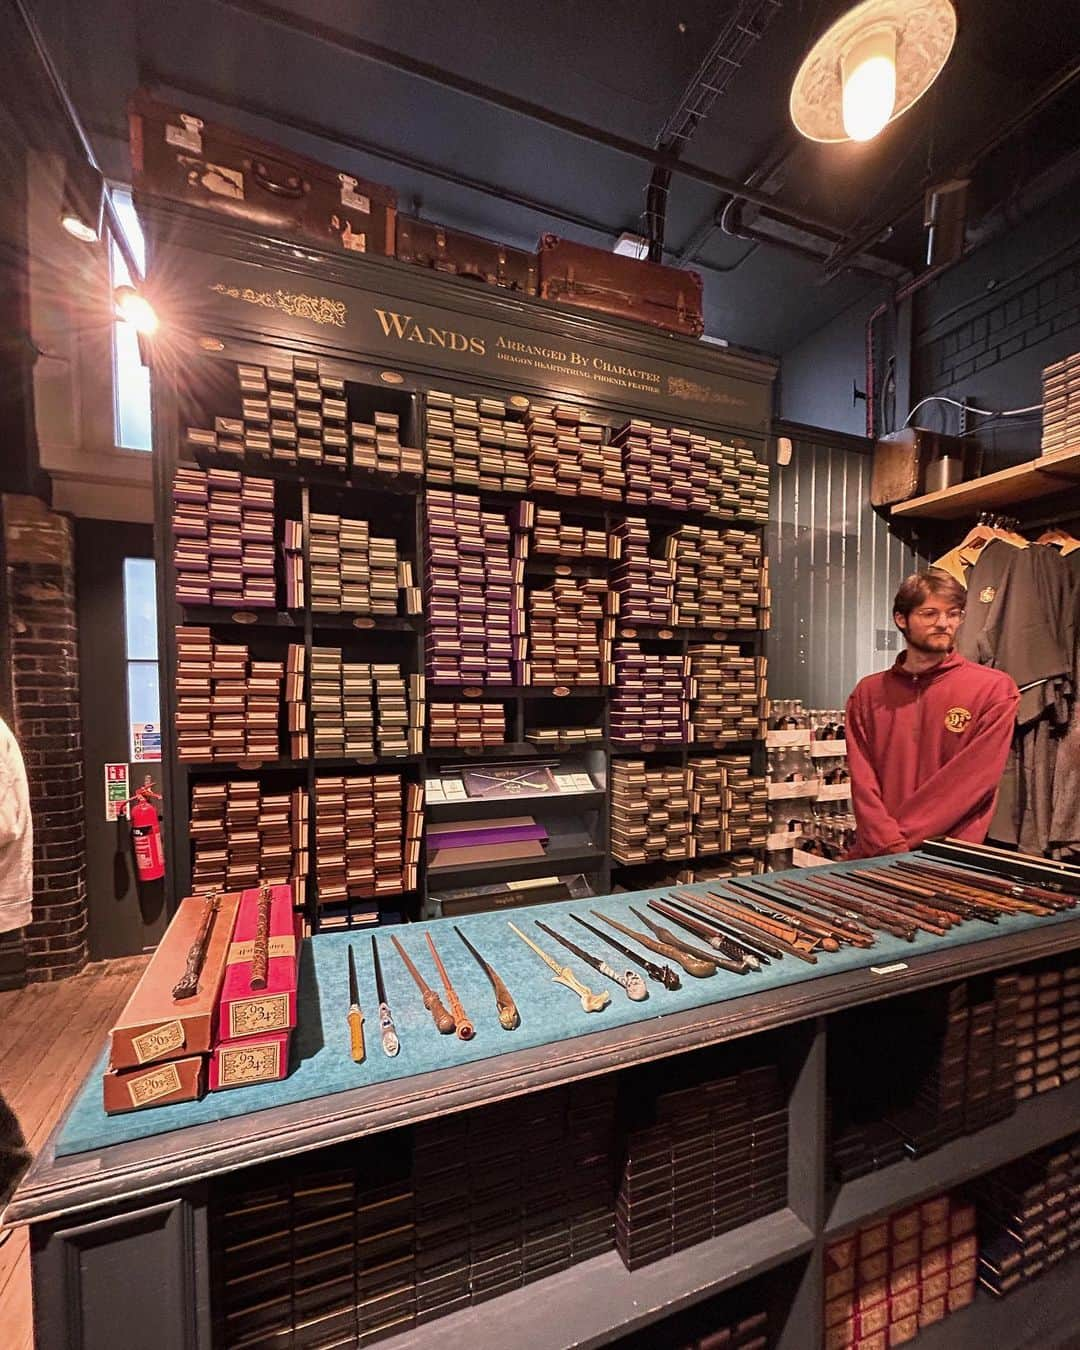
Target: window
[140,648]
[131,379]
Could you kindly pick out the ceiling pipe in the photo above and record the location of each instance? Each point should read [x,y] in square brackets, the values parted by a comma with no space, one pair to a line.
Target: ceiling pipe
[1056,86]
[445,79]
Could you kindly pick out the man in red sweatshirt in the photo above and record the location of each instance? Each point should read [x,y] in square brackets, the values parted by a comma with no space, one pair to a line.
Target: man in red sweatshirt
[927,740]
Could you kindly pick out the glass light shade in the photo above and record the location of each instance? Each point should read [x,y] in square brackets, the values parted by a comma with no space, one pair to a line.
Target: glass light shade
[135,309]
[78,228]
[868,82]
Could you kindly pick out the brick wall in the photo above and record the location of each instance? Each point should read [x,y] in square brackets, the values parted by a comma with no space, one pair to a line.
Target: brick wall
[42,641]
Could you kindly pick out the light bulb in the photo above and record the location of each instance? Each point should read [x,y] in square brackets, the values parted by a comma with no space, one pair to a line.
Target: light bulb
[135,309]
[78,228]
[868,78]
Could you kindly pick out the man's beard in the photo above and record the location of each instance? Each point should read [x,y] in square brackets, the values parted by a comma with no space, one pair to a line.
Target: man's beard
[940,645]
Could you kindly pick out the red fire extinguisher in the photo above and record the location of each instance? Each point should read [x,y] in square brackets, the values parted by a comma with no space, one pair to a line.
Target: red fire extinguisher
[146,832]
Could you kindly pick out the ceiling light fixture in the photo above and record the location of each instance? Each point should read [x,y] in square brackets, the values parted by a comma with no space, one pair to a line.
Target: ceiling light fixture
[870,67]
[83,203]
[136,310]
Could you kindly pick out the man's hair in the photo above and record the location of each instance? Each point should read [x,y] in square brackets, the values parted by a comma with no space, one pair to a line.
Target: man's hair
[934,581]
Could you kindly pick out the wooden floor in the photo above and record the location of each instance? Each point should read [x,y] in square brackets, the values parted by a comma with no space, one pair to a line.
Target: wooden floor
[50,1035]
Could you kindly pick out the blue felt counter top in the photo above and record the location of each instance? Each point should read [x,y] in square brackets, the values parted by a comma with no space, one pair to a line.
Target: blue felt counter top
[320,1061]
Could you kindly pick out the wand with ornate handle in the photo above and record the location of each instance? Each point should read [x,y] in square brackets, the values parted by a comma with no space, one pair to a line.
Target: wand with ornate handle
[661,974]
[355,1015]
[390,1043]
[629,980]
[691,964]
[509,1018]
[260,956]
[465,1029]
[188,984]
[590,1001]
[443,1020]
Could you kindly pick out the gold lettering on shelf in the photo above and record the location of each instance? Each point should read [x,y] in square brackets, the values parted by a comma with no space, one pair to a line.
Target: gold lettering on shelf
[317,308]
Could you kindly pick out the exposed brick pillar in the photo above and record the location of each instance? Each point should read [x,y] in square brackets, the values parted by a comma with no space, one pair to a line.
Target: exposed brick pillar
[39,553]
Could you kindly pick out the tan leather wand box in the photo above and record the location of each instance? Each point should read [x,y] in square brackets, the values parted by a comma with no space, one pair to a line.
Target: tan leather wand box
[154,1026]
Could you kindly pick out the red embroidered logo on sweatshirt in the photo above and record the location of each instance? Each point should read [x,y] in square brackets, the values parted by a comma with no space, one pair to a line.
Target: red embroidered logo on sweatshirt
[957,719]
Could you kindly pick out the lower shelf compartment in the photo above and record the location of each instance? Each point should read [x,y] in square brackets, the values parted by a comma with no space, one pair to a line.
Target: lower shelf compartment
[592,1303]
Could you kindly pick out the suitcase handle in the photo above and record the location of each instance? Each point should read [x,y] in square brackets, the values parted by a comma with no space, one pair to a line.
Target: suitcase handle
[292,185]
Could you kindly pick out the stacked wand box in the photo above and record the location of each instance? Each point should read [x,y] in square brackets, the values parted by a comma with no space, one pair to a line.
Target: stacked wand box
[254,1025]
[367,838]
[244,837]
[292,552]
[650,701]
[477,442]
[364,710]
[568,456]
[720,578]
[356,571]
[569,636]
[1029,1215]
[223,529]
[650,812]
[552,534]
[1061,405]
[644,585]
[466,726]
[896,1277]
[509,1194]
[474,608]
[729,805]
[296,712]
[714,1157]
[1047,1026]
[376,446]
[727,690]
[668,468]
[159,1045]
[563,738]
[227,705]
[292,409]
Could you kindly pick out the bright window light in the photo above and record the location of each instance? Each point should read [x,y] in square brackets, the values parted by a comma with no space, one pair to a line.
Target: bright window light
[131,379]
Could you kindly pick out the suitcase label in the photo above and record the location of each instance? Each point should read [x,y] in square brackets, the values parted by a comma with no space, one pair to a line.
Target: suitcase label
[186,136]
[350,197]
[216,179]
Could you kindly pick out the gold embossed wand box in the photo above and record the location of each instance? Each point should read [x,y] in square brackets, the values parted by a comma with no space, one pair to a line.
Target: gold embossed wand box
[154,1026]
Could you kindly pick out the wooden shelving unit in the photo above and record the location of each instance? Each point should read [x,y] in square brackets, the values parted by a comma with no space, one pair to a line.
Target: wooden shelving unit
[1032,481]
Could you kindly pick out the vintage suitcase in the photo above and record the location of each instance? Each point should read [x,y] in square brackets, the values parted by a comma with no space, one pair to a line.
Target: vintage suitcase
[465,255]
[910,462]
[181,157]
[594,278]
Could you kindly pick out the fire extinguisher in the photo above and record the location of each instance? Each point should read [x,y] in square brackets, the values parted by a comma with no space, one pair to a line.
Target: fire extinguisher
[146,832]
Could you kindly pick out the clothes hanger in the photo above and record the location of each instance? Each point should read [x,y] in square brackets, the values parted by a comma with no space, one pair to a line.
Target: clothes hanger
[1058,538]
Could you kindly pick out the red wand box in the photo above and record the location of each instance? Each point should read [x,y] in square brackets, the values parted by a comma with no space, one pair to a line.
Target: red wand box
[256,1059]
[245,1011]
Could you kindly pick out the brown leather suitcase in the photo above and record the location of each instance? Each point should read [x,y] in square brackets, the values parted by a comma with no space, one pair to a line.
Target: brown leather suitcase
[185,159]
[594,278]
[465,255]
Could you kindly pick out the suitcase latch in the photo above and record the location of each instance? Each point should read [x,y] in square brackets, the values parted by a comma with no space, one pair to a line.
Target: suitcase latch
[350,197]
[187,136]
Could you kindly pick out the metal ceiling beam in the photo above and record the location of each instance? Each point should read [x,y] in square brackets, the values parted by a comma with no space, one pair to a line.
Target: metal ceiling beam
[446,79]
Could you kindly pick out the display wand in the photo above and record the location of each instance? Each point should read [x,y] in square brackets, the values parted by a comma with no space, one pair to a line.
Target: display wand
[260,955]
[691,964]
[590,1001]
[661,974]
[630,980]
[443,1020]
[509,1017]
[465,1029]
[188,984]
[390,1043]
[355,1016]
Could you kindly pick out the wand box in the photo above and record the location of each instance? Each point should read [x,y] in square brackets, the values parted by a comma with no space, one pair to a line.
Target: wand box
[256,1059]
[178,1080]
[243,1011]
[154,1026]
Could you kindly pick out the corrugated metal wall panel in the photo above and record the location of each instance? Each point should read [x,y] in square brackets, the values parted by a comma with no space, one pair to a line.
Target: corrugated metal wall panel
[835,568]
